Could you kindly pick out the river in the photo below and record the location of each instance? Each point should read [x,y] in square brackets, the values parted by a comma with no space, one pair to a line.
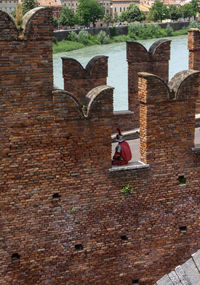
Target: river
[117,64]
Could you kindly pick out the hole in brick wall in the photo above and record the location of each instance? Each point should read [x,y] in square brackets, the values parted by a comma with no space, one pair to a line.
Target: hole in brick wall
[78,246]
[183,229]
[56,196]
[15,257]
[136,282]
[182,179]
[124,238]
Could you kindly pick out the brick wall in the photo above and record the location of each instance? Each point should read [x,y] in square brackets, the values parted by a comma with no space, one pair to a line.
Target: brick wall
[63,218]
[194,55]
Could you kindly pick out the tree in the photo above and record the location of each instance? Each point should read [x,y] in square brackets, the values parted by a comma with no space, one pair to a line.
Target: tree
[28,5]
[116,18]
[134,14]
[107,19]
[159,11]
[123,16]
[174,12]
[55,22]
[67,17]
[188,11]
[89,11]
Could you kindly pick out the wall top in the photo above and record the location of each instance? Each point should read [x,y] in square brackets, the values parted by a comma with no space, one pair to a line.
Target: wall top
[36,24]
[183,86]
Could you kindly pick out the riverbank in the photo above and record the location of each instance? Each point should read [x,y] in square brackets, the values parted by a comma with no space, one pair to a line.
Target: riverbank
[135,32]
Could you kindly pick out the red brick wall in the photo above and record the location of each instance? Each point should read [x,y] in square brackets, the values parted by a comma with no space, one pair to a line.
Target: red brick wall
[79,81]
[62,210]
[194,55]
[155,61]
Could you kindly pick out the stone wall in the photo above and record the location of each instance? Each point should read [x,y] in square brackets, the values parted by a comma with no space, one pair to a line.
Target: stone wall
[63,217]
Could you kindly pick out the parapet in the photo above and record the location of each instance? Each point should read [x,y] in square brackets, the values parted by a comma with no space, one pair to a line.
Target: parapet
[98,103]
[97,67]
[183,86]
[79,81]
[159,51]
[36,24]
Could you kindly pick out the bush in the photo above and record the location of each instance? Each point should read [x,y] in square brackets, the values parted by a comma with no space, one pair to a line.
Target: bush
[145,31]
[72,36]
[169,30]
[102,37]
[194,24]
[83,37]
[55,41]
[112,31]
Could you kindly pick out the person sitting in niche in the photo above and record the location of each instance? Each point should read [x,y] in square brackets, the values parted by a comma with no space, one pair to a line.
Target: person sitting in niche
[122,153]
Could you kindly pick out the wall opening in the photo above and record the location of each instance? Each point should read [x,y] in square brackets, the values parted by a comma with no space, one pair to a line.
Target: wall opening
[182,179]
[15,257]
[124,238]
[183,229]
[136,282]
[78,246]
[56,196]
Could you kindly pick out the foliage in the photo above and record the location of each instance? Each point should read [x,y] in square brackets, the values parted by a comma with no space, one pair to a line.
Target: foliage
[123,16]
[145,31]
[19,15]
[194,24]
[67,17]
[66,46]
[169,30]
[134,14]
[55,22]
[188,11]
[127,189]
[83,37]
[182,180]
[112,31]
[174,12]
[107,19]
[158,11]
[13,13]
[28,5]
[116,18]
[72,36]
[55,41]
[102,37]
[89,11]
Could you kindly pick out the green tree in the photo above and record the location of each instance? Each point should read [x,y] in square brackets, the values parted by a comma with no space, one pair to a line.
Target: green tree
[159,11]
[28,5]
[67,17]
[107,19]
[123,16]
[116,18]
[134,14]
[174,12]
[188,11]
[89,11]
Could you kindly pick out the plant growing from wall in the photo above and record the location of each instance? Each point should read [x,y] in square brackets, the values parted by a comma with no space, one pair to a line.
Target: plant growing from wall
[127,189]
[18,16]
[28,5]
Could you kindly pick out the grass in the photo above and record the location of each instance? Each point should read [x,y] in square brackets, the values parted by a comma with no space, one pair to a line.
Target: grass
[66,46]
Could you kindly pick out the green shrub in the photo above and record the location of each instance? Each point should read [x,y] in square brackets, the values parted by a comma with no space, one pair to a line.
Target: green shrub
[83,37]
[194,24]
[112,32]
[72,36]
[55,41]
[169,30]
[102,37]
